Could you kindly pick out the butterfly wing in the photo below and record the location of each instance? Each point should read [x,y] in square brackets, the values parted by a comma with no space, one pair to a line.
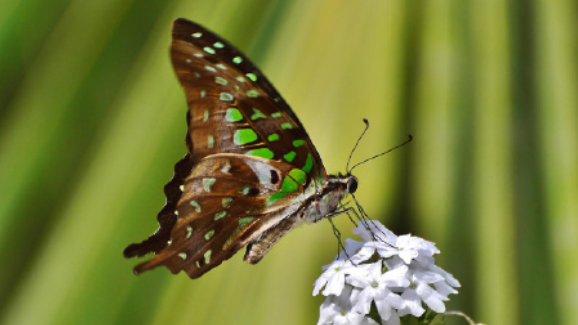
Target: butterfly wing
[233,109]
[227,201]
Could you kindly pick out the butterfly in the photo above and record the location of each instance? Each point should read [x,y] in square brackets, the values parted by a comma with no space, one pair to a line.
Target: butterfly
[251,173]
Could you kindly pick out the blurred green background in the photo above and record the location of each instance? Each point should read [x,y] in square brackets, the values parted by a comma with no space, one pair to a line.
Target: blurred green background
[93,120]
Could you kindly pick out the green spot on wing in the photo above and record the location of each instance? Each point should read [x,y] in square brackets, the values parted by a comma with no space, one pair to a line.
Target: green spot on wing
[273,137]
[245,190]
[298,175]
[286,126]
[209,50]
[244,221]
[208,256]
[218,45]
[183,256]
[244,136]
[289,185]
[221,81]
[252,93]
[257,114]
[277,196]
[226,202]
[207,183]
[210,141]
[290,156]
[276,115]
[196,205]
[220,215]
[237,59]
[197,34]
[251,76]
[226,97]
[298,143]
[233,115]
[189,231]
[261,152]
[209,234]
[308,163]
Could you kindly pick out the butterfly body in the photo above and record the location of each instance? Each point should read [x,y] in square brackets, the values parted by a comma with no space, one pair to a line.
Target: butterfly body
[251,175]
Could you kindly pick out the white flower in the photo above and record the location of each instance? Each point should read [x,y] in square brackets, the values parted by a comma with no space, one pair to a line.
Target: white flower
[370,321]
[393,319]
[422,278]
[411,303]
[337,310]
[410,248]
[335,314]
[444,289]
[396,274]
[352,248]
[374,288]
[447,277]
[432,298]
[333,278]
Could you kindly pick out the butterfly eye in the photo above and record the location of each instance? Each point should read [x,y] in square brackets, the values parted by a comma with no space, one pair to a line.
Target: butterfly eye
[352,184]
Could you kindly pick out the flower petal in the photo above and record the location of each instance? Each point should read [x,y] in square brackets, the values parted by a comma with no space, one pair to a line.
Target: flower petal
[335,284]
[412,303]
[392,320]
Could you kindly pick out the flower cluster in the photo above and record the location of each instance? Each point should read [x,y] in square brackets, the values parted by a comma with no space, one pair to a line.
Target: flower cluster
[395,275]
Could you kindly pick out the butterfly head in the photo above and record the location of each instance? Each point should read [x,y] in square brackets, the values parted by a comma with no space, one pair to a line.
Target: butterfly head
[346,183]
[352,184]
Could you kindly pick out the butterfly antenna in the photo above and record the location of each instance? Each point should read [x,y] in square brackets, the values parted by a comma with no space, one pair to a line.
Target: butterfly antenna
[383,153]
[356,144]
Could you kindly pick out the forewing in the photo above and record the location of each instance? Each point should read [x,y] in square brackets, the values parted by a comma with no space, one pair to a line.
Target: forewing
[233,108]
[227,200]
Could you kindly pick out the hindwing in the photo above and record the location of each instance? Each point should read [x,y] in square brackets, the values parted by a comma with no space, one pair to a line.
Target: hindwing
[227,201]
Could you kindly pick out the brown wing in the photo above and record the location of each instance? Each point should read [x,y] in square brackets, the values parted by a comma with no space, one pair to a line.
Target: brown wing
[226,203]
[233,108]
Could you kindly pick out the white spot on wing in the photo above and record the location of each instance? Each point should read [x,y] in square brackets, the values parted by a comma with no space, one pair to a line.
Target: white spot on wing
[262,170]
[226,167]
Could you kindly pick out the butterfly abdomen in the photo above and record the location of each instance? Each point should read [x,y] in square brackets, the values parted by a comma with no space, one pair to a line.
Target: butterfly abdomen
[257,248]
